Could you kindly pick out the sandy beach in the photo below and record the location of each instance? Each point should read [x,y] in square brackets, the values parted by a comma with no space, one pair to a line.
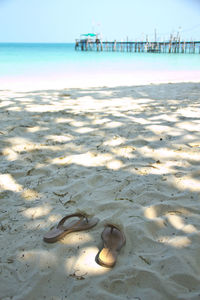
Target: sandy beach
[129,155]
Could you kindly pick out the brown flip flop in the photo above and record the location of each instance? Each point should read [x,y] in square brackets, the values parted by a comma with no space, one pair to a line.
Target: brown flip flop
[58,232]
[113,239]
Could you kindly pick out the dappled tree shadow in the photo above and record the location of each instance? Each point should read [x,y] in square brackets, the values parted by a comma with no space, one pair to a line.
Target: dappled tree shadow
[129,155]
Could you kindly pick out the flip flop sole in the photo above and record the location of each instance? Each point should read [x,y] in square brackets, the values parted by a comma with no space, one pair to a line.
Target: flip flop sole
[106,258]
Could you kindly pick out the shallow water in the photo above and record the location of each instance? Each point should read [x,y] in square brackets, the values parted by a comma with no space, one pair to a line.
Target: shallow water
[60,62]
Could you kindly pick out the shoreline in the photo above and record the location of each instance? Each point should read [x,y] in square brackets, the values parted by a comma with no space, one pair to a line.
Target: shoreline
[96,79]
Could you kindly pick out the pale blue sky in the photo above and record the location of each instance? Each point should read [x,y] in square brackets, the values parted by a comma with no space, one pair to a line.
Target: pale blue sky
[63,20]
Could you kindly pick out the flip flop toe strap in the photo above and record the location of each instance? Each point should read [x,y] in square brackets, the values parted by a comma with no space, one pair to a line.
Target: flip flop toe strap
[112,227]
[79,215]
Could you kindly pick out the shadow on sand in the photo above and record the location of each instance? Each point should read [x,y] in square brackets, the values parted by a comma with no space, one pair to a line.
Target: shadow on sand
[129,155]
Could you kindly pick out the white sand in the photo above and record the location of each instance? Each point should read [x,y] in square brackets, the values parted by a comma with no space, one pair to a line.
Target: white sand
[129,155]
[92,78]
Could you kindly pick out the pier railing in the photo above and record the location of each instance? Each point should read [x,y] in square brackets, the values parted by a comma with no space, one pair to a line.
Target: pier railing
[152,47]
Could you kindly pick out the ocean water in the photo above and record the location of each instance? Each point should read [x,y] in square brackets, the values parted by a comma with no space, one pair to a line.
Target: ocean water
[51,64]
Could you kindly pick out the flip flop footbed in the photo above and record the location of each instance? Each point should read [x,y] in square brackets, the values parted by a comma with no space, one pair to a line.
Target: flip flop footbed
[113,239]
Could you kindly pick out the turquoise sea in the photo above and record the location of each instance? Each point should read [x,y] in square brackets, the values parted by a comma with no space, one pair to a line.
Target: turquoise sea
[36,62]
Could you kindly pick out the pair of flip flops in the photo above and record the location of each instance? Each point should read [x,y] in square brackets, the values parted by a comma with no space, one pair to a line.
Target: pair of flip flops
[113,238]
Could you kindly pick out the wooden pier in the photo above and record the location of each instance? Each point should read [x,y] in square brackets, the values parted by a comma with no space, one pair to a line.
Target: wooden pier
[151,47]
